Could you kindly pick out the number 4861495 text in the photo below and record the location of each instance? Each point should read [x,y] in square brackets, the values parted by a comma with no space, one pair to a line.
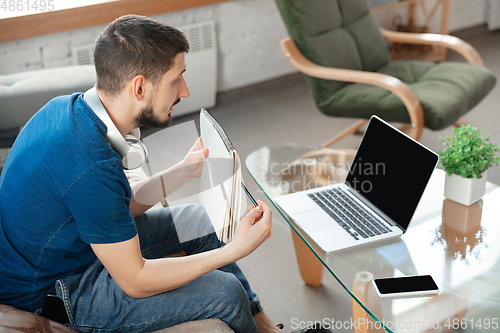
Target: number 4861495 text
[27,5]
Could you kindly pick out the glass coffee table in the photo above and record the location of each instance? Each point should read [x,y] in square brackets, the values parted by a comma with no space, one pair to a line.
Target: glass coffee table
[458,245]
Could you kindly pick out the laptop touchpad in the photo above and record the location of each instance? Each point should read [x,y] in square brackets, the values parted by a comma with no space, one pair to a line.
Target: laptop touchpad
[312,220]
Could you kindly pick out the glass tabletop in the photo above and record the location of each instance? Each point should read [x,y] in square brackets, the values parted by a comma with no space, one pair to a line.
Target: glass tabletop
[459,246]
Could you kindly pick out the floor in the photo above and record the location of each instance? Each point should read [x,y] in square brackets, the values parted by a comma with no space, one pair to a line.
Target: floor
[282,111]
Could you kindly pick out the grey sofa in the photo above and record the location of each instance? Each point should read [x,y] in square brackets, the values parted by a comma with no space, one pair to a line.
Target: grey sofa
[12,320]
[22,94]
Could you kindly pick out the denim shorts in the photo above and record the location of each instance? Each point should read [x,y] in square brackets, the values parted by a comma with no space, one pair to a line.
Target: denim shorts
[95,303]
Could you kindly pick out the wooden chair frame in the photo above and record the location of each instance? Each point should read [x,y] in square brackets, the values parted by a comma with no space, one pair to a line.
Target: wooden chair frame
[394,85]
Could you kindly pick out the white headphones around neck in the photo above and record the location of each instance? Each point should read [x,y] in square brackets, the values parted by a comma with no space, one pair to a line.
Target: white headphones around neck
[131,149]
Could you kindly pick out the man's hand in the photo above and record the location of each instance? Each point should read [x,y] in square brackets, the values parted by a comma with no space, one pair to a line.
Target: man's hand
[193,161]
[139,277]
[253,230]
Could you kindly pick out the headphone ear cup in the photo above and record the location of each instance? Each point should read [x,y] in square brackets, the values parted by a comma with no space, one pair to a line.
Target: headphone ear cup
[136,155]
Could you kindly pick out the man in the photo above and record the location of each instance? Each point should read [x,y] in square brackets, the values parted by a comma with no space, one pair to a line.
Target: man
[67,209]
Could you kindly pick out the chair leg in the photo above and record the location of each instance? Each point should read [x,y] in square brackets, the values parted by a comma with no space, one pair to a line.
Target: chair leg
[349,130]
[414,132]
[406,128]
[460,122]
[310,267]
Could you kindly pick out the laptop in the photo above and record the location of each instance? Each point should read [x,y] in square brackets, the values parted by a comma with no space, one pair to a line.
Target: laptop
[376,202]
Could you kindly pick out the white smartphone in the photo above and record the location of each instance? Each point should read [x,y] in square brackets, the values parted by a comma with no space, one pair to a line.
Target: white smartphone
[419,285]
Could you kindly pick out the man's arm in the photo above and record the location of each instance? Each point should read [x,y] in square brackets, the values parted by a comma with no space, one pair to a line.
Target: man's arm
[139,277]
[151,190]
[148,191]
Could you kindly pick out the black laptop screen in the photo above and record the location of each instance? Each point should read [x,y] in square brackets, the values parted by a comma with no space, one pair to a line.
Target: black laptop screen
[391,170]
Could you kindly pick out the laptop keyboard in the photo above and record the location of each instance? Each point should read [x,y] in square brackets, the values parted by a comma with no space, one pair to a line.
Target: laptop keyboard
[354,218]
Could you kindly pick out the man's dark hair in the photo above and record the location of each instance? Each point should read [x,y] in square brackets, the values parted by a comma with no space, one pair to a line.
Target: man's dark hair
[135,45]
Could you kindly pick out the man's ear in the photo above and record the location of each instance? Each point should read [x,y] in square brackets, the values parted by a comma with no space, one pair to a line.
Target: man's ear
[138,87]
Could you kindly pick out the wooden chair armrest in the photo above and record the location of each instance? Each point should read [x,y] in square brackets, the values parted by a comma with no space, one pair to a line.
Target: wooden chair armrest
[456,44]
[394,85]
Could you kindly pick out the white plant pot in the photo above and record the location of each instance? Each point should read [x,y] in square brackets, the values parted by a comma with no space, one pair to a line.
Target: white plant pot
[465,191]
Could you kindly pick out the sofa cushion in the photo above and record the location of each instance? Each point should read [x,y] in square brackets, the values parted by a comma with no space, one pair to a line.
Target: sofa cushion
[13,320]
[446,91]
[23,94]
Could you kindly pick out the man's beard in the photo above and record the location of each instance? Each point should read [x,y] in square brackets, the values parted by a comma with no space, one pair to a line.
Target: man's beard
[148,118]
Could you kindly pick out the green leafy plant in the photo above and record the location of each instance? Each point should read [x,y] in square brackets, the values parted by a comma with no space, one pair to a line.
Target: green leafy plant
[467,154]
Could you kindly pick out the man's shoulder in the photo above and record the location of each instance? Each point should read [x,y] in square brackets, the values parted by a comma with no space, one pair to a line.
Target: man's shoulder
[65,119]
[67,137]
[52,117]
[63,102]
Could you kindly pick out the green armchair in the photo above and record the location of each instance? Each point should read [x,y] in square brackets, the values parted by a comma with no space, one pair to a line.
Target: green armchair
[344,54]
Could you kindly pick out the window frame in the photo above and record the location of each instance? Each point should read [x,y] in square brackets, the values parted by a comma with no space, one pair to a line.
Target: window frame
[14,28]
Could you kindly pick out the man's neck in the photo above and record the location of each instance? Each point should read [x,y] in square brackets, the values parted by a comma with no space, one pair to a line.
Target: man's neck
[118,111]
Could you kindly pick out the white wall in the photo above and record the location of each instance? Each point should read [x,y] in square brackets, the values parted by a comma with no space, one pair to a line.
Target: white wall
[467,13]
[248,32]
[463,14]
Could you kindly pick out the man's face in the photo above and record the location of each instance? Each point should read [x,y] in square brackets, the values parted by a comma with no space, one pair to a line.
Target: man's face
[169,91]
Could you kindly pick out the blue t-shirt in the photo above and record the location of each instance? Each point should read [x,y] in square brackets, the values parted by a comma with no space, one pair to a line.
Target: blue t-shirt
[62,188]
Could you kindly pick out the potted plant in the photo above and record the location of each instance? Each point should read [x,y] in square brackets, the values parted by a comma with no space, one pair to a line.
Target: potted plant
[465,159]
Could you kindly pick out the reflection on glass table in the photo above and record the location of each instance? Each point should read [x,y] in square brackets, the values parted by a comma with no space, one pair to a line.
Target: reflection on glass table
[459,246]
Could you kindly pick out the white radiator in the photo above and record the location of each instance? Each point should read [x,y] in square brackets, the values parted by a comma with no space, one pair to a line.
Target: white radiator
[83,55]
[201,67]
[494,15]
